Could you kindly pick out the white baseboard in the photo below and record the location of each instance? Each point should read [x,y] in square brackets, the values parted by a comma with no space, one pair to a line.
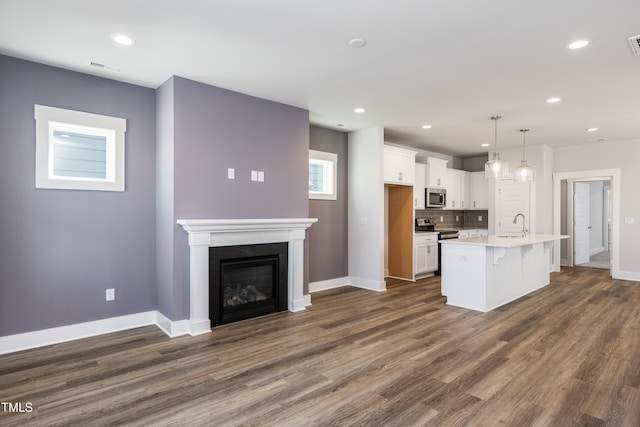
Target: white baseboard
[323,285]
[174,328]
[368,284]
[41,338]
[627,275]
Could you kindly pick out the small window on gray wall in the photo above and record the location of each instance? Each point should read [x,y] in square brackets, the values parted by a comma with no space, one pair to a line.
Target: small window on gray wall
[79,155]
[79,151]
[323,175]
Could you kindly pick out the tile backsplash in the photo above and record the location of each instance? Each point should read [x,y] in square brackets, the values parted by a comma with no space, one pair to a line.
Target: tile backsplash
[456,218]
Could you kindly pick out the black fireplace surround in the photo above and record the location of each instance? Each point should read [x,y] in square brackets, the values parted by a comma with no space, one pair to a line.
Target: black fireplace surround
[247,281]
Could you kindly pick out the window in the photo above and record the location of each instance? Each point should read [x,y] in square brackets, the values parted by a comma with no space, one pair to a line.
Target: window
[323,172]
[79,151]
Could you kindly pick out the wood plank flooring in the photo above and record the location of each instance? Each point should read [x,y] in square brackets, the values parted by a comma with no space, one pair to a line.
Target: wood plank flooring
[568,354]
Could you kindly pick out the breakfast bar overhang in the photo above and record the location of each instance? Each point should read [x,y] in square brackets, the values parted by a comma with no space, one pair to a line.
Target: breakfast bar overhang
[483,273]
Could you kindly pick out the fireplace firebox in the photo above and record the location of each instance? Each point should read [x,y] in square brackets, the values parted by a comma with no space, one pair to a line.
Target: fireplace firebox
[247,281]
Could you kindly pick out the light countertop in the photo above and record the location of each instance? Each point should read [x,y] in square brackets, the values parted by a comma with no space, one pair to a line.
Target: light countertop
[505,242]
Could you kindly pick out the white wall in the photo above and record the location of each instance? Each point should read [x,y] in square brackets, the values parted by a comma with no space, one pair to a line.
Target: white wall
[623,155]
[366,209]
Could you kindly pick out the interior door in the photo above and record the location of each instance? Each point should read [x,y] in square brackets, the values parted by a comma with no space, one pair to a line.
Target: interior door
[513,199]
[581,227]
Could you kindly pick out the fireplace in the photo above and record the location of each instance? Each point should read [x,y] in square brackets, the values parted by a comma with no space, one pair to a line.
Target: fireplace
[205,234]
[247,281]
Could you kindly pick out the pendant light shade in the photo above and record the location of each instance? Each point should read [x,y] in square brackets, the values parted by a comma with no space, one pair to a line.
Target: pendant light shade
[524,173]
[496,167]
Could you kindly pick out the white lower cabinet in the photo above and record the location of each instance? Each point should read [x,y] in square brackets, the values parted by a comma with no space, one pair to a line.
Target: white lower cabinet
[425,253]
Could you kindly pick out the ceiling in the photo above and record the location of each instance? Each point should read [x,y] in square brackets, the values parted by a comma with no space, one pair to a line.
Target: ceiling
[451,64]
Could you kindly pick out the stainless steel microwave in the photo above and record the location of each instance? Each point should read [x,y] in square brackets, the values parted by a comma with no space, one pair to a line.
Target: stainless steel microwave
[435,197]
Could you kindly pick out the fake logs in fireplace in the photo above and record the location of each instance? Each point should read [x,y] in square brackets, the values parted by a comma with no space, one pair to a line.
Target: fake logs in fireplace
[247,281]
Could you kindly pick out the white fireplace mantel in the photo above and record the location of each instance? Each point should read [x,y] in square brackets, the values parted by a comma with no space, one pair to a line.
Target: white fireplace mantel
[206,233]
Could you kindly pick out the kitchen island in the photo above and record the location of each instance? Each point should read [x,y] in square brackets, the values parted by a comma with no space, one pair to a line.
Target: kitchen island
[483,273]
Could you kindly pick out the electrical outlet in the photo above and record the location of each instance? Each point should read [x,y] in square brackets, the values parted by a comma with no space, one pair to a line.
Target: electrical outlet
[479,217]
[457,218]
[254,175]
[231,173]
[110,295]
[441,219]
[260,176]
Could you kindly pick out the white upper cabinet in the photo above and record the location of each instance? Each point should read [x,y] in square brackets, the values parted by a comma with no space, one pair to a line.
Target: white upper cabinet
[478,191]
[399,165]
[457,189]
[436,172]
[419,185]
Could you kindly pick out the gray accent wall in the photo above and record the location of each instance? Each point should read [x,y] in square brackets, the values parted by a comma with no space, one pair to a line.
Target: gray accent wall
[215,129]
[60,249]
[328,238]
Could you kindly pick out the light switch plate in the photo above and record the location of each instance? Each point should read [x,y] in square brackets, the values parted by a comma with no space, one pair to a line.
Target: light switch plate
[254,175]
[260,176]
[629,220]
[231,173]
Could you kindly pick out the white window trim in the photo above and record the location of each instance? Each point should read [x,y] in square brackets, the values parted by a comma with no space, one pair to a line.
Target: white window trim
[327,157]
[46,117]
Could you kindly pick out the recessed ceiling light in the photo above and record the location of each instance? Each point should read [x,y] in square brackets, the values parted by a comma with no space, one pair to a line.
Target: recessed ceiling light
[122,39]
[357,43]
[553,100]
[592,129]
[579,44]
[359,110]
[484,145]
[426,126]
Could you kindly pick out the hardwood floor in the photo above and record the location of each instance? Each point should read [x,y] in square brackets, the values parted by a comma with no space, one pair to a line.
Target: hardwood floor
[568,354]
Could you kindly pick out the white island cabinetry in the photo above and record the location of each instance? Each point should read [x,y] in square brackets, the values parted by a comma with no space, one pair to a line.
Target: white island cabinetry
[485,272]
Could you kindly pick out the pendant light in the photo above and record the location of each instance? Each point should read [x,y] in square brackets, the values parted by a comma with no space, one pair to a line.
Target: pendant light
[496,167]
[524,173]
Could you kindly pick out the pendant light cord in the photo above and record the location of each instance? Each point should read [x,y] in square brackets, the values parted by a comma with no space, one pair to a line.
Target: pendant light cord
[524,133]
[495,136]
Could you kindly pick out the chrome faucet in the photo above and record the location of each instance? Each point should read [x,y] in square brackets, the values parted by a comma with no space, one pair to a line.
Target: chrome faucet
[524,230]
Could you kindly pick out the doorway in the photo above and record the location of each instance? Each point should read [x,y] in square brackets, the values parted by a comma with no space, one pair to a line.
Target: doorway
[597,246]
[586,213]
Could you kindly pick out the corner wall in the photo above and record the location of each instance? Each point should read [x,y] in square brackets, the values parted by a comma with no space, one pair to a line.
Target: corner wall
[328,238]
[366,209]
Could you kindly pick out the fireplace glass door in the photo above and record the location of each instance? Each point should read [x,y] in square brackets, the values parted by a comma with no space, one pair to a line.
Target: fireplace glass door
[247,281]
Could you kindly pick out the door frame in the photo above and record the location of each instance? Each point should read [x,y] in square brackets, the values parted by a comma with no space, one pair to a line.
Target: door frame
[614,176]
